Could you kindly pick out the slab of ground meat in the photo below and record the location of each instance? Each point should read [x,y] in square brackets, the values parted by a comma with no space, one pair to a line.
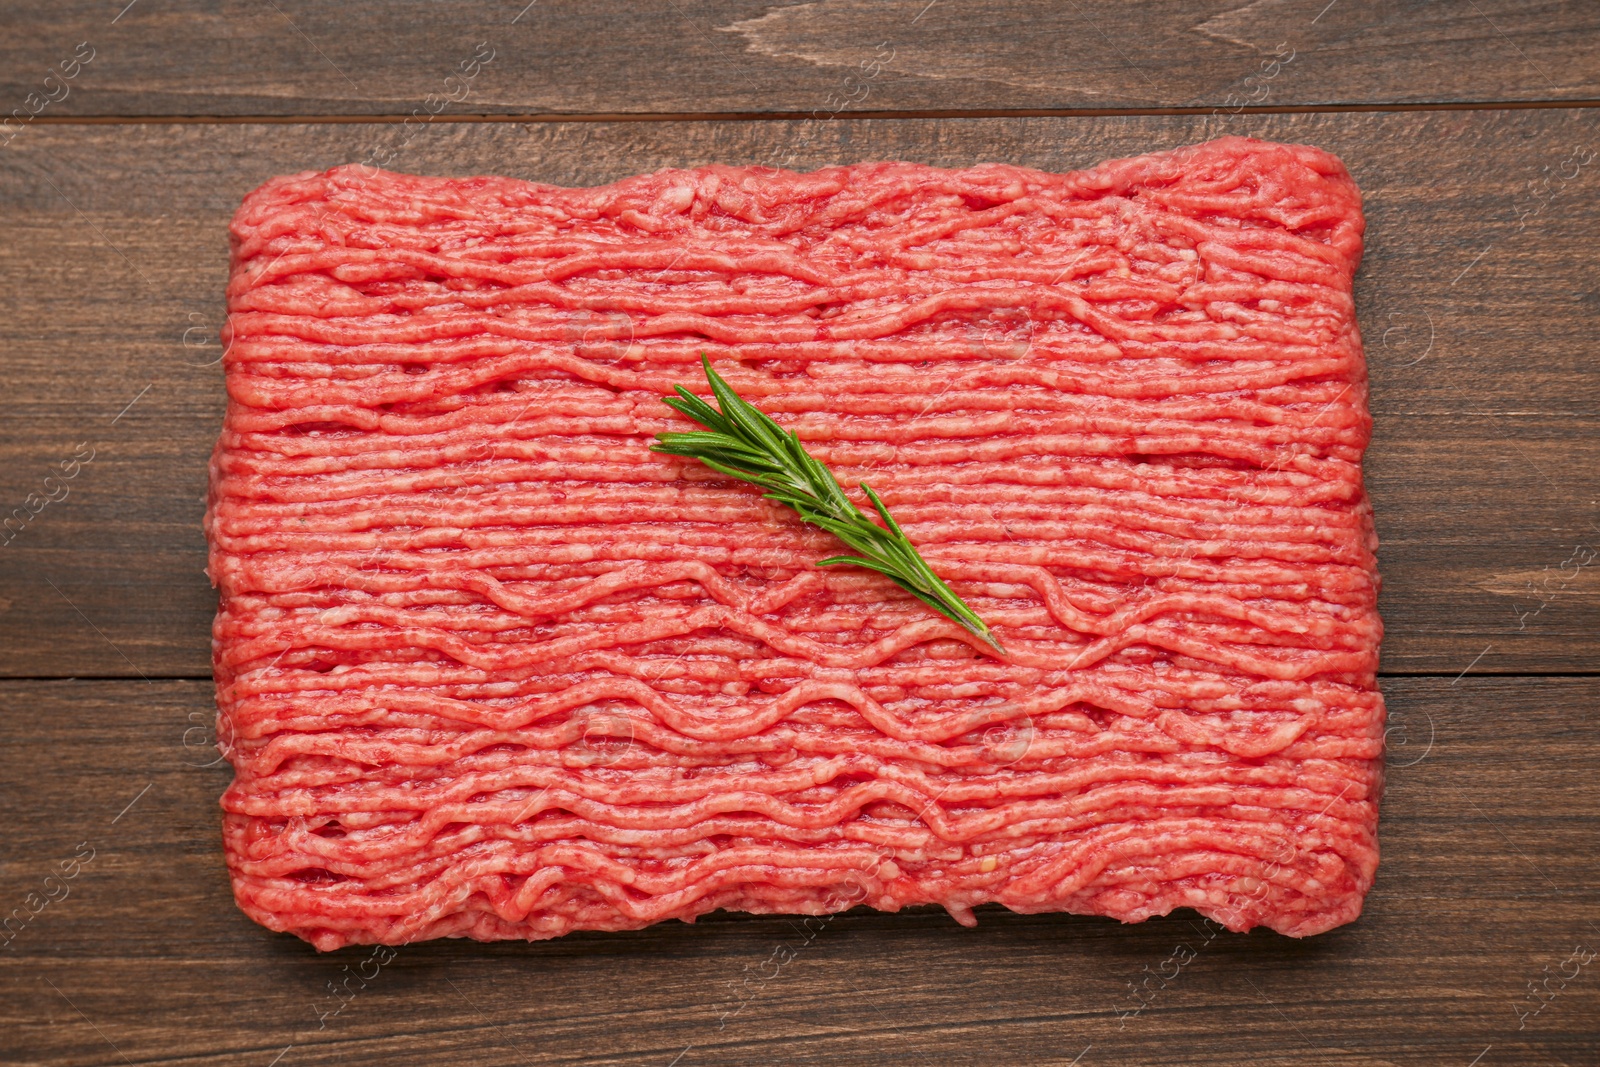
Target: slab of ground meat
[488,667]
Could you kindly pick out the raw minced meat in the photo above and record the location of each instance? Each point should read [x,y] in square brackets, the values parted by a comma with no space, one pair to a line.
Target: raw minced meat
[488,667]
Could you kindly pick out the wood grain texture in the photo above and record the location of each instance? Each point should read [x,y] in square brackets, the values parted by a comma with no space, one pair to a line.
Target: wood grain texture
[1491,833]
[293,57]
[1478,302]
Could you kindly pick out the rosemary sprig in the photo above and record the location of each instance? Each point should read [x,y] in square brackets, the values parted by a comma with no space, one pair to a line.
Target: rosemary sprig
[742,442]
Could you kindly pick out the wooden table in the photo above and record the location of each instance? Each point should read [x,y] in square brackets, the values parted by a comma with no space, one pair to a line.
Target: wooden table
[1473,127]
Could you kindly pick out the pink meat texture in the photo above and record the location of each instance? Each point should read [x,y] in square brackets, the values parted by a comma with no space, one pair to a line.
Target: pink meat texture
[488,667]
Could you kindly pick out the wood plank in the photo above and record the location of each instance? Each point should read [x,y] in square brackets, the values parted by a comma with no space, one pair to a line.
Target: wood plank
[1490,880]
[365,58]
[1477,298]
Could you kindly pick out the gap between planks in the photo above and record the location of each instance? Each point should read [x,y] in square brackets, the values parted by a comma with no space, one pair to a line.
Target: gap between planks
[780,116]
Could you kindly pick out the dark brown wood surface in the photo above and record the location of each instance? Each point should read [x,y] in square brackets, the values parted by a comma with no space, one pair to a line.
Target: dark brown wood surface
[1478,299]
[1491,829]
[295,57]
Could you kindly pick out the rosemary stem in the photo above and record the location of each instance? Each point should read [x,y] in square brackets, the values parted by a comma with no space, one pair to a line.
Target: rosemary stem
[743,442]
